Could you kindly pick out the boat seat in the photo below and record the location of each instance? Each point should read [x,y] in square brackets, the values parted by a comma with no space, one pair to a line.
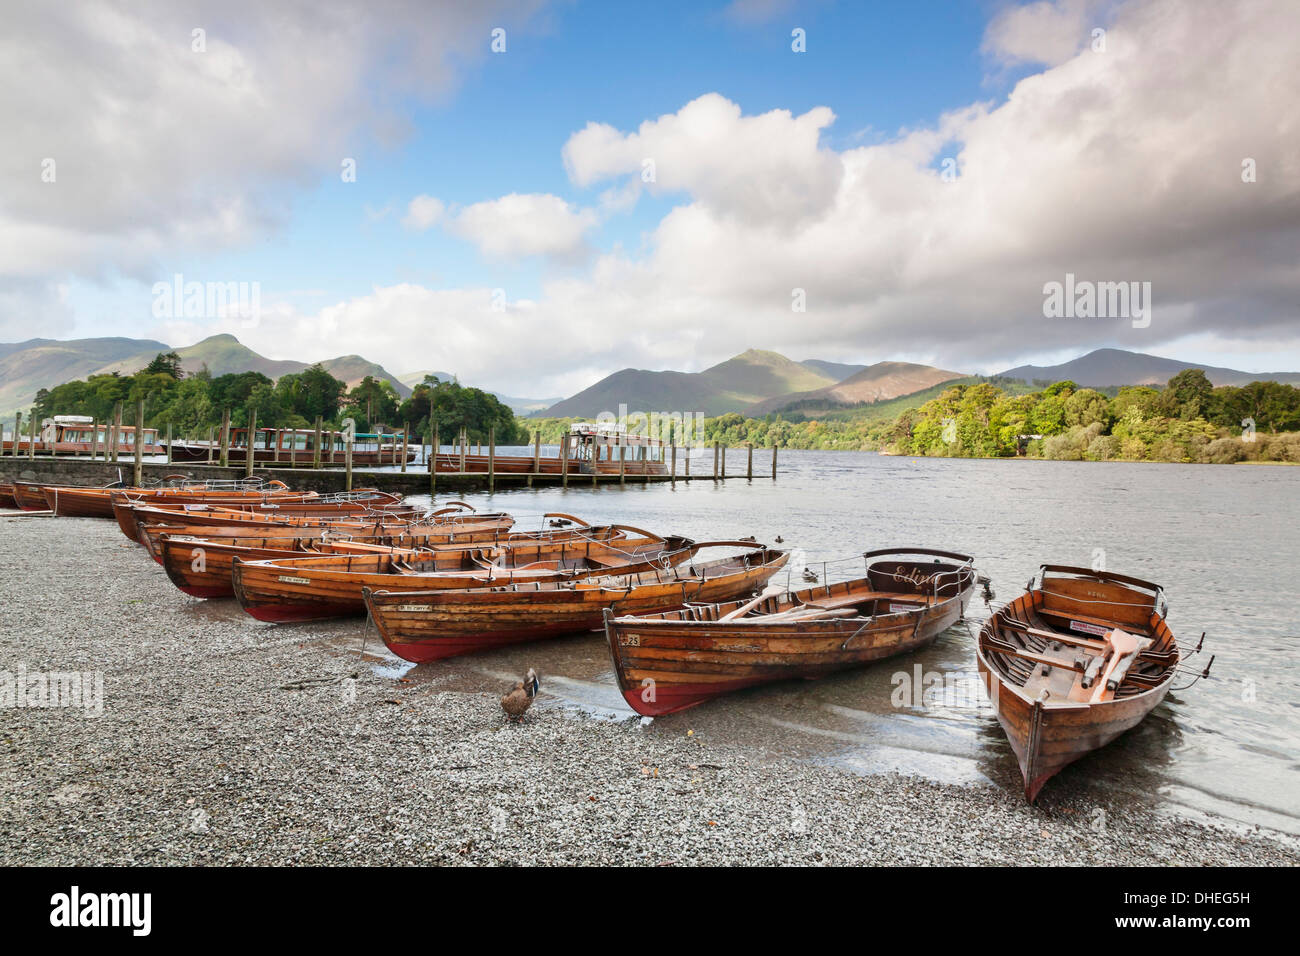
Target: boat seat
[1089,619]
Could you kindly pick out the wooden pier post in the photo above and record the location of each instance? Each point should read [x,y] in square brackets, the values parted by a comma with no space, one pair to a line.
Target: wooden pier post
[117,430]
[333,441]
[674,468]
[347,460]
[492,458]
[622,462]
[537,452]
[406,444]
[18,431]
[250,449]
[433,465]
[212,438]
[94,438]
[715,461]
[138,469]
[564,460]
[169,443]
[773,461]
[749,467]
[315,457]
[225,437]
[464,440]
[31,440]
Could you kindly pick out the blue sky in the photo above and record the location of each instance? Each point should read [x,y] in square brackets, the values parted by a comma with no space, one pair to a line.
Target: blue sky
[244,182]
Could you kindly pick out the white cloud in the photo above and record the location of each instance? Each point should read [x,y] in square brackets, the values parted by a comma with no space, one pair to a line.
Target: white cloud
[160,149]
[1046,31]
[765,169]
[423,212]
[519,225]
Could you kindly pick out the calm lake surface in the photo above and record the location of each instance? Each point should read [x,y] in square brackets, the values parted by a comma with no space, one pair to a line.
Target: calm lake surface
[1220,539]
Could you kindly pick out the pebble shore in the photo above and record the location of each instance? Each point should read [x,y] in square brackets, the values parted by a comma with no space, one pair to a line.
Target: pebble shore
[225,741]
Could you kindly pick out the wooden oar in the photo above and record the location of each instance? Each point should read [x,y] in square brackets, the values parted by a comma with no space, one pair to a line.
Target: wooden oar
[768,592]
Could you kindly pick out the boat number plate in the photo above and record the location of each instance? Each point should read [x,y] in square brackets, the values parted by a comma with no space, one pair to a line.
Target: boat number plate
[1085,628]
[414,607]
[630,640]
[287,579]
[902,607]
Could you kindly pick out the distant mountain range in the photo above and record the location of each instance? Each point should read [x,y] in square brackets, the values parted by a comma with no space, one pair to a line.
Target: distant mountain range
[1119,367]
[753,383]
[872,383]
[27,367]
[730,386]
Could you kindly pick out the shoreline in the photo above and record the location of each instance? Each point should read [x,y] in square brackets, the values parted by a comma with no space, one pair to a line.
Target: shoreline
[225,741]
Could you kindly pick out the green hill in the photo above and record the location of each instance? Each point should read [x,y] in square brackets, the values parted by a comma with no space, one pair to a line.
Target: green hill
[729,386]
[27,367]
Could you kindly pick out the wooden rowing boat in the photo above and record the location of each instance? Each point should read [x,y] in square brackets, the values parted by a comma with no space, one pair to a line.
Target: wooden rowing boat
[676,659]
[7,499]
[428,625]
[30,496]
[1074,662]
[316,588]
[130,512]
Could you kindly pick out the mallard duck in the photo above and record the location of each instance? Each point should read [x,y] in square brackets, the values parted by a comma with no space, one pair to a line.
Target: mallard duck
[521,696]
[810,575]
[560,522]
[779,540]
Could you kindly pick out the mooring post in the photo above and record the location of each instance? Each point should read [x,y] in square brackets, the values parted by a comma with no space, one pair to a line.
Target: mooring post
[225,437]
[138,470]
[715,461]
[94,437]
[250,443]
[347,459]
[492,458]
[315,456]
[537,452]
[749,467]
[674,469]
[212,438]
[117,430]
[169,443]
[31,440]
[18,432]
[433,466]
[406,444]
[464,441]
[773,461]
[622,461]
[564,460]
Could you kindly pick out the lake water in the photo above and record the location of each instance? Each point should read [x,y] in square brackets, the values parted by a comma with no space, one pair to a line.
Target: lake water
[1220,539]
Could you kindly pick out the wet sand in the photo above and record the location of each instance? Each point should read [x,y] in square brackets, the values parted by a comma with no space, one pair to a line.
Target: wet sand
[226,741]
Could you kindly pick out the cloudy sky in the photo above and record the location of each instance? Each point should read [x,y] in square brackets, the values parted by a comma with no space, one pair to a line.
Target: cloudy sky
[655,186]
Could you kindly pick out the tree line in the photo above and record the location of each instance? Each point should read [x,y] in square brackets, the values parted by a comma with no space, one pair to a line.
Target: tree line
[1189,419]
[193,403]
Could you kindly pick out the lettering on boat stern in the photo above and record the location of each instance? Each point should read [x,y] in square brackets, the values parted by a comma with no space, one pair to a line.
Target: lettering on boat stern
[290,579]
[630,640]
[413,608]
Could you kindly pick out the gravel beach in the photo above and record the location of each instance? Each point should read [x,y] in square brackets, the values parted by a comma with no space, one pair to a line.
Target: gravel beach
[226,741]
